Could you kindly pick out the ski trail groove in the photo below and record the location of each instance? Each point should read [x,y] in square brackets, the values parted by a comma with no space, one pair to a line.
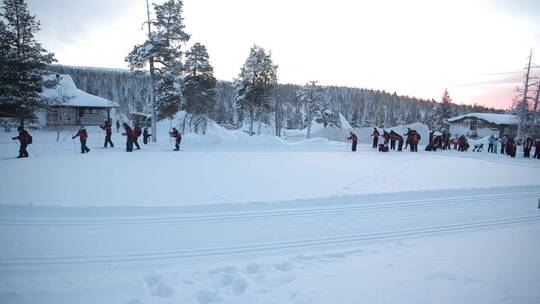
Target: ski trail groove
[265,247]
[369,208]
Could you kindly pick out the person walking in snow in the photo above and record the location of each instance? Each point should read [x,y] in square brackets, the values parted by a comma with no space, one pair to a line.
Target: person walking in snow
[146,135]
[178,138]
[136,133]
[128,132]
[354,140]
[25,139]
[415,139]
[108,133]
[527,146]
[375,135]
[83,136]
[511,146]
[386,137]
[408,138]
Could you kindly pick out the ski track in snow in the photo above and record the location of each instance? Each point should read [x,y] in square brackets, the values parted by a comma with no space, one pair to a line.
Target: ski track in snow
[365,212]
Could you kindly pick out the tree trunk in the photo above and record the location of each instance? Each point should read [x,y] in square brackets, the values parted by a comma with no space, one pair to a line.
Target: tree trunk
[251,120]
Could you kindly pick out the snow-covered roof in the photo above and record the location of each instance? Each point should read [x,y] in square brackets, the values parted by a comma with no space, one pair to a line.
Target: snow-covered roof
[499,119]
[77,98]
[141,114]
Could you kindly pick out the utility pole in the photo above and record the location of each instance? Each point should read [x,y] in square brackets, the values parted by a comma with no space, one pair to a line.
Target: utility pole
[152,76]
[524,107]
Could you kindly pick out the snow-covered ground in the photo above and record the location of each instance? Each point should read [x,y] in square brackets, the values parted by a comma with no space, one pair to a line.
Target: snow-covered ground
[239,219]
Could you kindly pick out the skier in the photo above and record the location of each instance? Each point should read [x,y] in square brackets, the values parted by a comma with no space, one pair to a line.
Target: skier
[175,134]
[399,139]
[415,138]
[354,139]
[408,139]
[537,148]
[108,133]
[83,135]
[128,132]
[136,133]
[146,135]
[25,139]
[375,135]
[527,146]
[492,139]
[504,141]
[511,146]
[386,137]
[117,126]
[393,140]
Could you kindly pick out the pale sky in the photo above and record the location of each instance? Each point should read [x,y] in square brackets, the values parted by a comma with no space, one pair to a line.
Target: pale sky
[475,48]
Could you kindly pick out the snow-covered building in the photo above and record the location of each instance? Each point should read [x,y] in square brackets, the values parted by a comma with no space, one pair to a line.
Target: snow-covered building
[76,108]
[484,124]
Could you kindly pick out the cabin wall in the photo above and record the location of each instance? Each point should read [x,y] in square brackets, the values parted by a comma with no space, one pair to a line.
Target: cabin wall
[472,127]
[71,116]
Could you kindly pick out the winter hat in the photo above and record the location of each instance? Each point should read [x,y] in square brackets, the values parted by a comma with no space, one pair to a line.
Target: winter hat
[19,128]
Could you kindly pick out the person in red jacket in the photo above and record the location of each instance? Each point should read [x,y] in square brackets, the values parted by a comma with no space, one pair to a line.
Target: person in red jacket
[128,132]
[83,135]
[175,134]
[375,135]
[354,140]
[399,139]
[107,126]
[25,139]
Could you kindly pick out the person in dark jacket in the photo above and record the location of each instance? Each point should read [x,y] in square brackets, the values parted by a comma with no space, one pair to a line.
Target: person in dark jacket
[354,140]
[146,135]
[178,138]
[415,139]
[399,139]
[24,140]
[393,139]
[83,136]
[128,132]
[408,138]
[117,126]
[537,148]
[107,126]
[511,147]
[136,133]
[527,146]
[386,137]
[375,135]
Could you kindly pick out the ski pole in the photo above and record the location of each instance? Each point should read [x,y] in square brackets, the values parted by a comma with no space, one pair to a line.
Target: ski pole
[31,149]
[74,147]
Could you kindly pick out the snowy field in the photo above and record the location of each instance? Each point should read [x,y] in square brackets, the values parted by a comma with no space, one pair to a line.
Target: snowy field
[234,219]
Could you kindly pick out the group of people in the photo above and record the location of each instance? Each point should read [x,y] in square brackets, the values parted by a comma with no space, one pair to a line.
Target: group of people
[444,141]
[509,146]
[412,138]
[132,137]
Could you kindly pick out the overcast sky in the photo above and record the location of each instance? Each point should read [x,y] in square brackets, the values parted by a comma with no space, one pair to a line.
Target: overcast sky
[476,49]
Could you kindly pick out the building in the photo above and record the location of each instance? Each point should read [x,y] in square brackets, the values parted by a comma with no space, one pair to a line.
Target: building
[484,124]
[76,106]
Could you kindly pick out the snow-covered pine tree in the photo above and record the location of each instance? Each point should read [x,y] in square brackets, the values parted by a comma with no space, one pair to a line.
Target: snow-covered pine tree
[199,87]
[311,96]
[23,63]
[438,119]
[256,80]
[163,46]
[326,114]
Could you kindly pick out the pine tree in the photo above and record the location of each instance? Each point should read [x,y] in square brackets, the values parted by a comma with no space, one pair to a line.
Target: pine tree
[199,87]
[438,119]
[163,47]
[312,97]
[23,63]
[255,83]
